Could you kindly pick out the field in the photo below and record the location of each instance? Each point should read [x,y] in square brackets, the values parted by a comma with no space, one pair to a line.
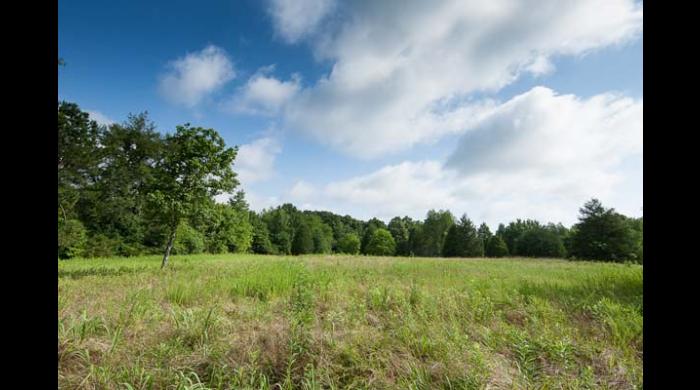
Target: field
[331,322]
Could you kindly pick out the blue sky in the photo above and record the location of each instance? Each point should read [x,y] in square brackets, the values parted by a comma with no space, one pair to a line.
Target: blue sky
[381,109]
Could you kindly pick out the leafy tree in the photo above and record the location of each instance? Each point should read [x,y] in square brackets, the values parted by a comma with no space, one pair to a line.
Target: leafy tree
[349,244]
[227,226]
[381,243]
[195,166]
[496,247]
[371,225]
[484,233]
[117,203]
[280,223]
[433,233]
[72,238]
[637,227]
[261,236]
[322,234]
[188,240]
[463,240]
[540,241]
[415,233]
[602,234]
[78,156]
[101,245]
[400,230]
[303,240]
[512,233]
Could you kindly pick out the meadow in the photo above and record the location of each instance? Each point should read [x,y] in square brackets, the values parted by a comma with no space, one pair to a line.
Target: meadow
[238,321]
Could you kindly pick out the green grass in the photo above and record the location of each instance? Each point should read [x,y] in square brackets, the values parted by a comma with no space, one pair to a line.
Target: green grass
[332,322]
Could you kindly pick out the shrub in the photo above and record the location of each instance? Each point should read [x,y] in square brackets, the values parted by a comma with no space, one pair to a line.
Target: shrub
[349,244]
[101,245]
[496,247]
[72,238]
[188,240]
[381,243]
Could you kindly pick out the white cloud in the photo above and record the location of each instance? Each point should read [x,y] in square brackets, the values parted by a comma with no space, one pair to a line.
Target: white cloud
[100,118]
[263,94]
[402,69]
[302,190]
[256,161]
[297,19]
[539,155]
[540,130]
[191,78]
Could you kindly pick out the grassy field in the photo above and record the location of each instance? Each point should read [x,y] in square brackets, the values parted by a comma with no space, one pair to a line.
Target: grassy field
[312,322]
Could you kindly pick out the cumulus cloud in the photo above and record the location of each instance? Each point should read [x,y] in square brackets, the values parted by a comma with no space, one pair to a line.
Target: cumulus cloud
[403,69]
[264,94]
[191,78]
[256,161]
[297,19]
[100,118]
[539,155]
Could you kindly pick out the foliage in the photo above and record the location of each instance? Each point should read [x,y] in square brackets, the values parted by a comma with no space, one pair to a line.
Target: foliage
[303,240]
[496,247]
[463,240]
[188,240]
[603,234]
[124,188]
[381,243]
[349,244]
[72,238]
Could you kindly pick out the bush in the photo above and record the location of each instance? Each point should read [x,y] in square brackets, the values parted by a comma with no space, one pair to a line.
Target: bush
[72,238]
[100,245]
[303,240]
[349,244]
[496,247]
[188,240]
[381,243]
[540,242]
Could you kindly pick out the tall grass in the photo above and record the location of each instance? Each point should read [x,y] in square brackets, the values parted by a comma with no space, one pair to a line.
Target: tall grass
[331,322]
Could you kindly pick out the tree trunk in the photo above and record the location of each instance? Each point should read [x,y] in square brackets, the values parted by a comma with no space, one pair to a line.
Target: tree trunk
[171,241]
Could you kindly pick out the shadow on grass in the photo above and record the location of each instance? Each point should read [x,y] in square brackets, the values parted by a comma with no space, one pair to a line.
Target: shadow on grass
[101,271]
[626,290]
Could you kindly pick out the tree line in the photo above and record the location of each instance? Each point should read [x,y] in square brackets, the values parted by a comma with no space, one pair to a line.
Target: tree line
[126,190]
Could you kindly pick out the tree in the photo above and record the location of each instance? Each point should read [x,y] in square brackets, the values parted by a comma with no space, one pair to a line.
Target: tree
[540,241]
[261,236]
[399,229]
[303,240]
[371,225]
[281,227]
[323,237]
[381,243]
[349,244]
[188,240]
[226,226]
[78,156]
[433,232]
[484,233]
[463,240]
[602,234]
[637,227]
[496,247]
[72,238]
[195,166]
[116,203]
[512,233]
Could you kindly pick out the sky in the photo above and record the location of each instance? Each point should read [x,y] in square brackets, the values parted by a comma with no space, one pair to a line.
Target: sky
[501,110]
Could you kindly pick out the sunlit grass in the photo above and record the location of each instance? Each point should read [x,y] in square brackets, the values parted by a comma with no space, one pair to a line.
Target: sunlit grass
[248,321]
